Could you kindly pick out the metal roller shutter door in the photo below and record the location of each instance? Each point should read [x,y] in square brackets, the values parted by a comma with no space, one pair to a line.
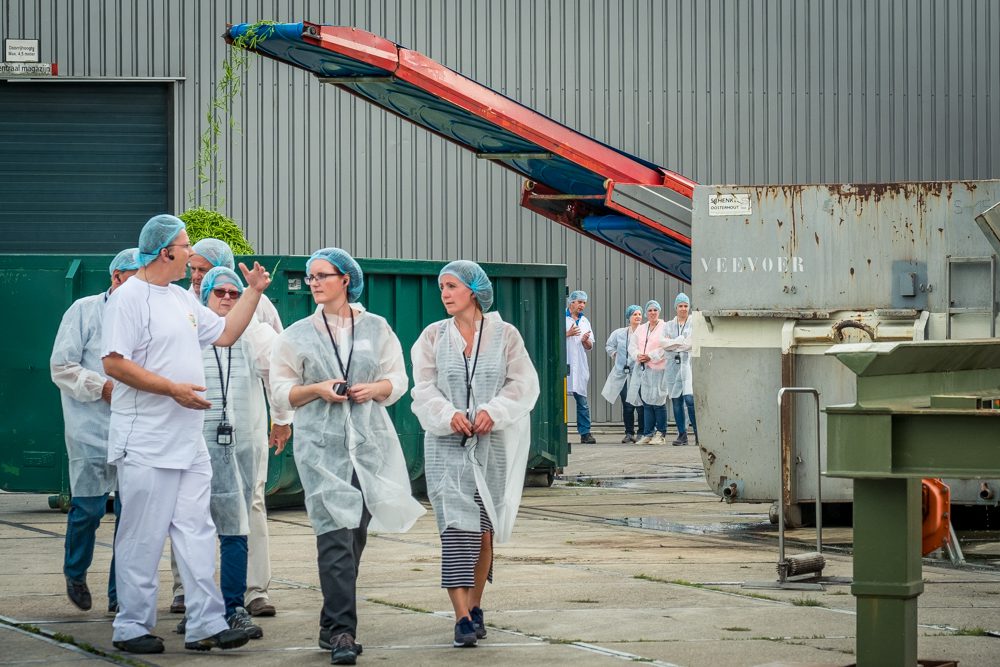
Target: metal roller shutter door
[82,165]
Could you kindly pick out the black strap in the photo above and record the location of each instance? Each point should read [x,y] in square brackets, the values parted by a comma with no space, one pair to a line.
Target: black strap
[475,362]
[336,350]
[229,372]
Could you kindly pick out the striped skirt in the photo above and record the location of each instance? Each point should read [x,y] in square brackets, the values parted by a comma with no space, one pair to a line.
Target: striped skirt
[460,551]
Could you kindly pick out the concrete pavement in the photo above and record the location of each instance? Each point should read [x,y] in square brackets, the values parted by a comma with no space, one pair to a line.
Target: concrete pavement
[628,557]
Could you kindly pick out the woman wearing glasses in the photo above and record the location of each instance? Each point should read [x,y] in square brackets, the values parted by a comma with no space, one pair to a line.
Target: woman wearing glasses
[474,387]
[340,368]
[235,430]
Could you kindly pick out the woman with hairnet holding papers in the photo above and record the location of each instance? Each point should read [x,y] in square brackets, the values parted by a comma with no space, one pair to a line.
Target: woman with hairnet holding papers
[235,430]
[340,368]
[619,379]
[474,387]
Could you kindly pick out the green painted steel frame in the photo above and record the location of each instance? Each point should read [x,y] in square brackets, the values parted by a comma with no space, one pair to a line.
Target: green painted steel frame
[887,442]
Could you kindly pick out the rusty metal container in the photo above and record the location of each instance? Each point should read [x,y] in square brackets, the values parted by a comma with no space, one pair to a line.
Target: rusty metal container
[781,273]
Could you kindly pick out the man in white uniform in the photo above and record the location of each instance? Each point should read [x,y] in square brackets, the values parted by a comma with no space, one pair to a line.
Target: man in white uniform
[153,335]
[579,341]
[77,370]
[207,254]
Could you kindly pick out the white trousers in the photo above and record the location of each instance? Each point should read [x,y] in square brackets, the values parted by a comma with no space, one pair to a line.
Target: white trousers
[259,556]
[259,561]
[165,501]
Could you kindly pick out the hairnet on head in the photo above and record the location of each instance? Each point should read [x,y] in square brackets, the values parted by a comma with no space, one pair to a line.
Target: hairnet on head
[682,298]
[472,276]
[652,303]
[575,295]
[630,310]
[156,235]
[346,265]
[220,275]
[215,252]
[126,260]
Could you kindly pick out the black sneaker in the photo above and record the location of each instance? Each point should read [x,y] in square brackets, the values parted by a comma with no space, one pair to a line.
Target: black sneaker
[240,620]
[225,640]
[465,633]
[182,626]
[587,439]
[178,606]
[681,440]
[478,622]
[143,644]
[324,641]
[627,439]
[343,650]
[79,594]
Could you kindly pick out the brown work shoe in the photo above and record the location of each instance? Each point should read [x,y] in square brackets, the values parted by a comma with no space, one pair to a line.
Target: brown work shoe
[261,607]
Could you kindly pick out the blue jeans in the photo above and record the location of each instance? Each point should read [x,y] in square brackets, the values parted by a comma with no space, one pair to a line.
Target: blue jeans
[82,522]
[654,417]
[233,570]
[679,403]
[582,413]
[629,414]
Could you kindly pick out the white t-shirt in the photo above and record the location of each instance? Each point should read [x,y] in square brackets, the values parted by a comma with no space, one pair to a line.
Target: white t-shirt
[163,329]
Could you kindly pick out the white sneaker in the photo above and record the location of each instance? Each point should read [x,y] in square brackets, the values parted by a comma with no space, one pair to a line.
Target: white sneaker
[658,439]
[645,440]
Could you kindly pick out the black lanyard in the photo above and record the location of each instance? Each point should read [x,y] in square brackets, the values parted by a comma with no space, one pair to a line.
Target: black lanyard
[336,350]
[645,343]
[475,362]
[224,384]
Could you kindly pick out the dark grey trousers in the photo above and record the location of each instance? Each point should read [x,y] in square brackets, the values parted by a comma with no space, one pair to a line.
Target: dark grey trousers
[339,557]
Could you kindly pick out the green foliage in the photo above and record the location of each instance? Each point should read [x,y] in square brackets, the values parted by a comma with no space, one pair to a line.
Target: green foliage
[202,223]
[207,167]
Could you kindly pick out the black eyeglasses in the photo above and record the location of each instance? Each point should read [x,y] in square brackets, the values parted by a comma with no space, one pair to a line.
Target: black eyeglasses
[223,293]
[320,277]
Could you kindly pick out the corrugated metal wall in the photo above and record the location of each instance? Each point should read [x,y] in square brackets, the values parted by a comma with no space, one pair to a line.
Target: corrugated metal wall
[726,91]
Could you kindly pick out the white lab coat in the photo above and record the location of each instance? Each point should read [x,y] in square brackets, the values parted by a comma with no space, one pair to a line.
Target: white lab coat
[576,356]
[234,467]
[505,385]
[677,345]
[77,369]
[623,369]
[332,440]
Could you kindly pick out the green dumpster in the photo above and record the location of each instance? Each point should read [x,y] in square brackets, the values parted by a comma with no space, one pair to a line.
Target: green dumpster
[37,289]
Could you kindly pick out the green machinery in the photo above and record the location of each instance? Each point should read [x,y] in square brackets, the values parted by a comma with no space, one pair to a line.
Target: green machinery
[929,409]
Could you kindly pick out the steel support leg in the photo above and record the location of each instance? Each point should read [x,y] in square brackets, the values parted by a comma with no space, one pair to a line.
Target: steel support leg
[887,574]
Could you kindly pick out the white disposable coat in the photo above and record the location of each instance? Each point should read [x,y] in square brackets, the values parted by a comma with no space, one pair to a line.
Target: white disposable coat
[677,346]
[234,467]
[505,385]
[623,368]
[78,371]
[649,383]
[332,440]
[576,356]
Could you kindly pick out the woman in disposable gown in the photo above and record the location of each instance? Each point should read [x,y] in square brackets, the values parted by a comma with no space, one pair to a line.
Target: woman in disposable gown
[340,368]
[474,387]
[619,379]
[648,387]
[235,431]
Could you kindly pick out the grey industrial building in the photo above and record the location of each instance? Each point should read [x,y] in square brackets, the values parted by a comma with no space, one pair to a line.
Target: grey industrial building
[722,91]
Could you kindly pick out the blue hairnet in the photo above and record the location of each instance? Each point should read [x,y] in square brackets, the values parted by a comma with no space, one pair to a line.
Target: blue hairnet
[216,252]
[126,260]
[577,294]
[473,277]
[630,310]
[346,265]
[652,302]
[682,298]
[156,235]
[219,275]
